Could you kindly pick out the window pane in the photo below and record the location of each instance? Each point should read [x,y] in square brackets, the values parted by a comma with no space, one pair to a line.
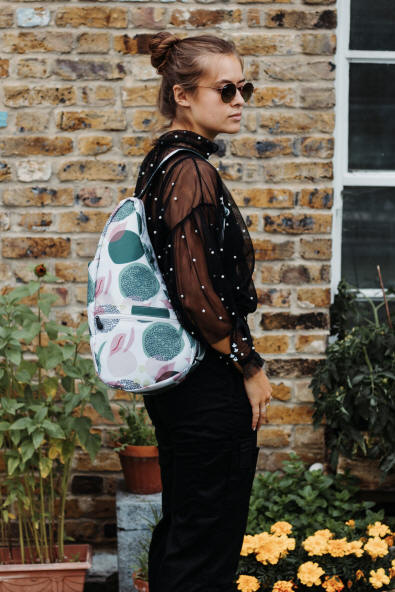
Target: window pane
[371,140]
[368,236]
[372,25]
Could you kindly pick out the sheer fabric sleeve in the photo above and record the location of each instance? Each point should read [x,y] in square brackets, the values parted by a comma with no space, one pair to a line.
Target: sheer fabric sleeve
[193,261]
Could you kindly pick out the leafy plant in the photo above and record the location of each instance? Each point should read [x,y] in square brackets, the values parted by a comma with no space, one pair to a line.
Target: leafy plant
[136,431]
[45,386]
[309,500]
[354,390]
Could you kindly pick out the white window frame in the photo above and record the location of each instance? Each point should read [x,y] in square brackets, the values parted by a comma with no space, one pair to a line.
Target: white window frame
[342,177]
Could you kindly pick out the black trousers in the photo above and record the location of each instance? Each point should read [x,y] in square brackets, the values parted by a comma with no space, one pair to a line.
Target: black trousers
[207,454]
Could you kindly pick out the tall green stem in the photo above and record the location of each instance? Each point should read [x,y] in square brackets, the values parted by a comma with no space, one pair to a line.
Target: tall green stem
[20,529]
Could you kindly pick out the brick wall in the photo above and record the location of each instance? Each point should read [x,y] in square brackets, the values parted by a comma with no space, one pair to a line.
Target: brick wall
[77,113]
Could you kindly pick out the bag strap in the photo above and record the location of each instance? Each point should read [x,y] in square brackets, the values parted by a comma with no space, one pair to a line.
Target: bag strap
[162,162]
[226,210]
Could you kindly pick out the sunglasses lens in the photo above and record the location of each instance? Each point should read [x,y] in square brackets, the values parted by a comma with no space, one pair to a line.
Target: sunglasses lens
[228,92]
[247,91]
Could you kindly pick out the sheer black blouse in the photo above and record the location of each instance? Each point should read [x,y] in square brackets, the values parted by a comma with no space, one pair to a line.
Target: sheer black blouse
[202,244]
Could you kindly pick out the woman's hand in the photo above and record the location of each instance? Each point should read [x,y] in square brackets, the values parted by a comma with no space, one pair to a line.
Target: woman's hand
[259,392]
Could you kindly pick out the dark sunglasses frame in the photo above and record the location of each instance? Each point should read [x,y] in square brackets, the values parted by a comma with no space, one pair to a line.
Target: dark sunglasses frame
[228,92]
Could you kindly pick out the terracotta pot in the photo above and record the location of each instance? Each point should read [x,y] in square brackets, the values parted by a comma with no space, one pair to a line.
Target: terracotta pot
[68,576]
[141,469]
[140,585]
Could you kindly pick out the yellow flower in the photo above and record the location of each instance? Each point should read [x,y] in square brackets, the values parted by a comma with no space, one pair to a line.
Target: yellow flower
[248,584]
[376,547]
[354,547]
[310,573]
[283,586]
[315,544]
[337,547]
[281,528]
[378,530]
[248,545]
[333,584]
[325,533]
[392,569]
[351,523]
[378,578]
[269,547]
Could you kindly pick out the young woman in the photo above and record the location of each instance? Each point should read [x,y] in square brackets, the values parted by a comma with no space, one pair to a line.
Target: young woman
[206,426]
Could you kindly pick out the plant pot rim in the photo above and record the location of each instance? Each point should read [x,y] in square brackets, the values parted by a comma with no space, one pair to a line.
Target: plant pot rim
[146,450]
[64,565]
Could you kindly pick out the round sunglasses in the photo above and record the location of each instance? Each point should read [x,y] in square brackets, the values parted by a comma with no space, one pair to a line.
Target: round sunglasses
[228,92]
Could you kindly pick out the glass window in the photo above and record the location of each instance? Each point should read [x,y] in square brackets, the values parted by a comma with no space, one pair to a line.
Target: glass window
[372,116]
[372,25]
[368,236]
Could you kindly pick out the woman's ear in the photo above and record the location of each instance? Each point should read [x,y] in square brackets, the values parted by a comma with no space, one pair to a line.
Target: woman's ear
[180,96]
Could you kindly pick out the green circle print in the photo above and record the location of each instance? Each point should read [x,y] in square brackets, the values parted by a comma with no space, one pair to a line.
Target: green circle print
[138,282]
[162,341]
[124,211]
[125,246]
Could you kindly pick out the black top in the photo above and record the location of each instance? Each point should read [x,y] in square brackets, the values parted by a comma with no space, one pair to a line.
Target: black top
[209,277]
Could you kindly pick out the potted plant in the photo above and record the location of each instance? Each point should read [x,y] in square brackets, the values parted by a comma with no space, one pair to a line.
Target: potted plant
[45,385]
[354,387]
[140,573]
[138,451]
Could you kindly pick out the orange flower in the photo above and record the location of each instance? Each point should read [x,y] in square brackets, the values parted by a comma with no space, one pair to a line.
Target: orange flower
[309,573]
[333,584]
[281,528]
[247,584]
[378,530]
[376,547]
[350,523]
[283,586]
[359,574]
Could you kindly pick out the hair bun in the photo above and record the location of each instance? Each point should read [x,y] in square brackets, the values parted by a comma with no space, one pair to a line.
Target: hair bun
[159,47]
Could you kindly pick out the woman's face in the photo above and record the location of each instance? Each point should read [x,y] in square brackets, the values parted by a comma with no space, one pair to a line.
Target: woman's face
[204,110]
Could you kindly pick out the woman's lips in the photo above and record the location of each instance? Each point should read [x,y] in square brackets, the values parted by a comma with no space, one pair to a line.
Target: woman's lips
[236,116]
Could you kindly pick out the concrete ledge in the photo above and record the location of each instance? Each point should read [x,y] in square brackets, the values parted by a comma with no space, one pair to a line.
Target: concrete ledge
[134,513]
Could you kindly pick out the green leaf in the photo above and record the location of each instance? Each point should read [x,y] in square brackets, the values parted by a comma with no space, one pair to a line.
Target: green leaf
[15,437]
[12,464]
[82,329]
[21,424]
[10,406]
[4,426]
[101,404]
[45,302]
[50,355]
[14,355]
[93,445]
[38,437]
[68,350]
[23,292]
[52,329]
[53,429]
[27,450]
[26,371]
